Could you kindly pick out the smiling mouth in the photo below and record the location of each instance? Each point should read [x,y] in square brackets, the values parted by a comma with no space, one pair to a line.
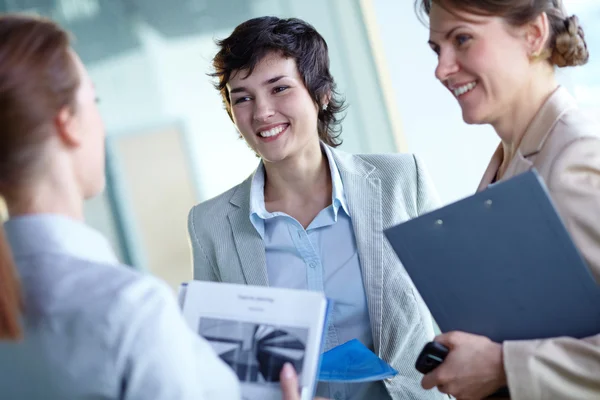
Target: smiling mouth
[464,89]
[273,131]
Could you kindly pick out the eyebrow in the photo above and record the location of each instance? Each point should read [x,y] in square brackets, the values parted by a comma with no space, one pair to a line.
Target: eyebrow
[447,35]
[267,82]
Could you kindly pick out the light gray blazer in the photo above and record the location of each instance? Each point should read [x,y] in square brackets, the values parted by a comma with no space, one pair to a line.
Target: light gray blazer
[381,190]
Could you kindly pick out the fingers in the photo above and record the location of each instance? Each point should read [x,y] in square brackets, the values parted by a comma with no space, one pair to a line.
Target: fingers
[451,339]
[289,383]
[444,339]
[429,381]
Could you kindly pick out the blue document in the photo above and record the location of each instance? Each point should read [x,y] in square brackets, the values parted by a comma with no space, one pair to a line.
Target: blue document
[501,264]
[353,362]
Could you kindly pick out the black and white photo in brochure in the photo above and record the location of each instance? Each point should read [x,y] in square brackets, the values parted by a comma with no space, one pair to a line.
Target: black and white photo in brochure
[256,330]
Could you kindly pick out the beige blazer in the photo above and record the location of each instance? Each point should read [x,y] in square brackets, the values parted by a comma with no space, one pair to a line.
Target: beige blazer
[564,146]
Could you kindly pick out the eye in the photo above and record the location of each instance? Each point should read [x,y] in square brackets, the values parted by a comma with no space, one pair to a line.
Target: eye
[461,39]
[435,48]
[240,100]
[280,89]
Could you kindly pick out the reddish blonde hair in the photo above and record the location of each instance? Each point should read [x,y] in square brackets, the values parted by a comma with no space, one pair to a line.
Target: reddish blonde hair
[38,78]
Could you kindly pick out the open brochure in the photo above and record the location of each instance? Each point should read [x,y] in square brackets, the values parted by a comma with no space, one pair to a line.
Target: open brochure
[256,330]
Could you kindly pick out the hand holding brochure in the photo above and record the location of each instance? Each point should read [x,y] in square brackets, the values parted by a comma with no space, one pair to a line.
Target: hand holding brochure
[256,330]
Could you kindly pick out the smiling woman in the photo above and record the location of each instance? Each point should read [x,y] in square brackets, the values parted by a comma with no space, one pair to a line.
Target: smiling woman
[275,113]
[480,45]
[312,217]
[303,46]
[498,59]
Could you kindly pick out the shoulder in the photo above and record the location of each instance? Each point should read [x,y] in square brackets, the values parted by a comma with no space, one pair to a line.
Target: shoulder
[216,206]
[215,210]
[96,302]
[384,163]
[106,288]
[404,181]
[575,140]
[578,123]
[391,163]
[576,163]
[395,170]
[572,126]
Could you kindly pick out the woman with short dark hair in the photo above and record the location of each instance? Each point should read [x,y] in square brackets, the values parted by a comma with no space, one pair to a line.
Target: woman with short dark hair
[312,217]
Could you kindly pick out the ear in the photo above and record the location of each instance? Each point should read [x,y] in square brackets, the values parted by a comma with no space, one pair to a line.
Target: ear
[537,34]
[67,127]
[325,99]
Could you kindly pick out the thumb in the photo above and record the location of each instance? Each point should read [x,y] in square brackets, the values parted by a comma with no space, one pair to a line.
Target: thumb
[288,380]
[447,339]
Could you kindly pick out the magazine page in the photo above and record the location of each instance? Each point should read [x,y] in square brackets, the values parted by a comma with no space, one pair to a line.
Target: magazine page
[256,330]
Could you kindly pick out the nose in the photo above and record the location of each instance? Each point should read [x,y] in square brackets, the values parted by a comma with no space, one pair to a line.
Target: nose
[447,65]
[263,109]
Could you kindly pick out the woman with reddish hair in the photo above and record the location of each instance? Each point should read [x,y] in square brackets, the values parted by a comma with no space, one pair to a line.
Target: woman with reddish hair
[74,324]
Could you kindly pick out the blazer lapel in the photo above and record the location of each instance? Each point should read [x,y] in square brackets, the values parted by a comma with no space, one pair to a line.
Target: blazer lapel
[518,164]
[363,195]
[533,139]
[538,131]
[250,246]
[492,169]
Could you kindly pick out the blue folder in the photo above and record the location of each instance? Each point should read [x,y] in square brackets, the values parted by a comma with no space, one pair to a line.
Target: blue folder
[353,362]
[501,264]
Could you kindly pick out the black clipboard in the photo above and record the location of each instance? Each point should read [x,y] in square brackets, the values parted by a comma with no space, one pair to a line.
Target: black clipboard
[501,264]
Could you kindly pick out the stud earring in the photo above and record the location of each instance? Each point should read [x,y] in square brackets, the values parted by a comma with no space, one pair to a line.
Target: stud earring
[324,107]
[539,55]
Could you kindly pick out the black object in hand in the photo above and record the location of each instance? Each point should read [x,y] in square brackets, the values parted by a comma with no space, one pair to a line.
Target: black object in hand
[432,355]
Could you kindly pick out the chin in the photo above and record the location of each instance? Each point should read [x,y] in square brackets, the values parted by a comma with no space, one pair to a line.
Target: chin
[273,156]
[94,190]
[472,118]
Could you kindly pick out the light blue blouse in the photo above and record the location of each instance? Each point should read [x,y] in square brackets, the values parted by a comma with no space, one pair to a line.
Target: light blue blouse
[324,258]
[98,330]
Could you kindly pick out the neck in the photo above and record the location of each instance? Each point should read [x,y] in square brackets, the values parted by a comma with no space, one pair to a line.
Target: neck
[512,126]
[54,193]
[298,176]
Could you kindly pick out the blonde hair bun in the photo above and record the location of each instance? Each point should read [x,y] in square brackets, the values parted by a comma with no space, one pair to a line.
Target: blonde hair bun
[569,47]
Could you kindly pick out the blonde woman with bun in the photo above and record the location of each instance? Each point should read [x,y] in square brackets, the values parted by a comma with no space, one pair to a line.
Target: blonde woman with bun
[498,59]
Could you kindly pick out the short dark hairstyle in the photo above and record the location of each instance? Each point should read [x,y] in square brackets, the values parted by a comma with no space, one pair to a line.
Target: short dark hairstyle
[252,40]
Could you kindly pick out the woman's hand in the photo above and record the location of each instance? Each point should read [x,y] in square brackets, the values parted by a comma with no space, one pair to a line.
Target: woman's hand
[473,369]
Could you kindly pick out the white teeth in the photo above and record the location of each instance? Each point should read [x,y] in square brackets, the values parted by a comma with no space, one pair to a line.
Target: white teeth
[464,89]
[272,132]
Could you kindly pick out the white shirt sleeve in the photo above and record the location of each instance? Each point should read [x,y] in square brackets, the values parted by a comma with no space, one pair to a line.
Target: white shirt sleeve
[161,358]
